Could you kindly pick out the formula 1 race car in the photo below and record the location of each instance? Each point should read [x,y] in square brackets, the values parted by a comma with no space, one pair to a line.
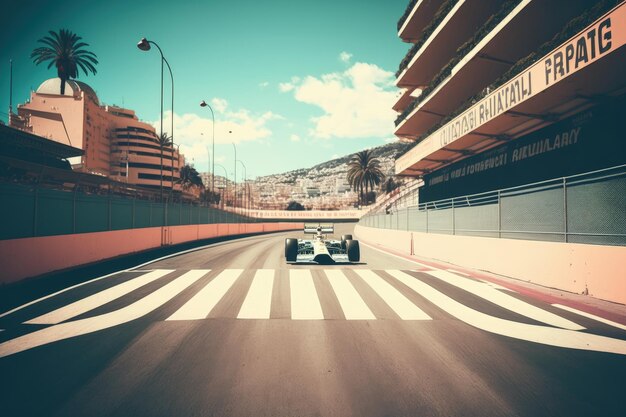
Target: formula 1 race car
[320,249]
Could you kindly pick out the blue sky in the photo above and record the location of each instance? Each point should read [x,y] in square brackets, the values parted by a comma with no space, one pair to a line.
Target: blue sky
[296,82]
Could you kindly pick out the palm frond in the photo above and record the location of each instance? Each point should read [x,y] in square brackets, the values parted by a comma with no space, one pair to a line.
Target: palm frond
[64,49]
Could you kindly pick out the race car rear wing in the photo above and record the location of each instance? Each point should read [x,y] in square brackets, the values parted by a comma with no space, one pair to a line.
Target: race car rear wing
[325,228]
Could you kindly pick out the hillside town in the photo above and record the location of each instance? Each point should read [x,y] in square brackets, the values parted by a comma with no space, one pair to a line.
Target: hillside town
[324,186]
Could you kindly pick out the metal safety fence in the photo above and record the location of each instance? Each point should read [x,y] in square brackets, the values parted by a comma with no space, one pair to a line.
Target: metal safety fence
[585,208]
[32,210]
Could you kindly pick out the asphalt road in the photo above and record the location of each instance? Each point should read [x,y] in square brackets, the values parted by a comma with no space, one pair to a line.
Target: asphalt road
[232,330]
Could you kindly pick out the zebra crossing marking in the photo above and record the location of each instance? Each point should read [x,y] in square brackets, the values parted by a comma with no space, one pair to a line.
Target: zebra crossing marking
[305,305]
[505,301]
[258,301]
[530,332]
[394,298]
[590,316]
[98,299]
[75,328]
[353,306]
[203,302]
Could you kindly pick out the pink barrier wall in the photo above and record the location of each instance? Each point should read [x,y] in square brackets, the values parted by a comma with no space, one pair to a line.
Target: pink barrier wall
[578,268]
[22,258]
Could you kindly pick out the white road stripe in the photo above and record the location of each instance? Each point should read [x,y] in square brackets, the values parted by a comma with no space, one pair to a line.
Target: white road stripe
[98,299]
[496,286]
[530,332]
[171,255]
[93,324]
[353,306]
[6,313]
[304,302]
[459,272]
[591,316]
[506,301]
[258,302]
[398,302]
[203,302]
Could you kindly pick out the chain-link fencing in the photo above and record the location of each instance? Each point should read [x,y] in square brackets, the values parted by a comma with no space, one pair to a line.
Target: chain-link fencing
[585,208]
[32,210]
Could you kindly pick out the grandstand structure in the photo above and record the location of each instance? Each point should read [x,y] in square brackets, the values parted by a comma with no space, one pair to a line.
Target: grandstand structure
[516,119]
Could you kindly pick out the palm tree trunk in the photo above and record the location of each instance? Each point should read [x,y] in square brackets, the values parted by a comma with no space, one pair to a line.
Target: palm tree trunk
[62,86]
[161,173]
[361,194]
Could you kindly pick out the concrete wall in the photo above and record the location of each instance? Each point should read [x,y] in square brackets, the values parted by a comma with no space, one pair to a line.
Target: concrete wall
[578,268]
[27,257]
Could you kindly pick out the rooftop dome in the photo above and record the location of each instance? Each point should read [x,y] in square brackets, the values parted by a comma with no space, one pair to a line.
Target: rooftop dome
[72,88]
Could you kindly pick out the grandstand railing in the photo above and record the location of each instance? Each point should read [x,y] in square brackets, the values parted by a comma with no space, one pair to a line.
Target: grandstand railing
[584,208]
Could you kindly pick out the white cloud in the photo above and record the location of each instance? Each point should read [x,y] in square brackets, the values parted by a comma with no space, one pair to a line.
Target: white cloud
[345,57]
[285,87]
[219,105]
[264,84]
[194,132]
[288,86]
[356,103]
[294,138]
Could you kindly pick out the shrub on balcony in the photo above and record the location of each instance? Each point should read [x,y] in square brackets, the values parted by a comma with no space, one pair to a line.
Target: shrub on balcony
[406,14]
[442,12]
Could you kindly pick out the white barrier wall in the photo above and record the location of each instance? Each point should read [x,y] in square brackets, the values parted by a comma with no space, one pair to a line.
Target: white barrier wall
[599,271]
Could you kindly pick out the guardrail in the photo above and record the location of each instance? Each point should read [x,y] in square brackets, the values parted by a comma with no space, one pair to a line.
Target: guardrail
[585,208]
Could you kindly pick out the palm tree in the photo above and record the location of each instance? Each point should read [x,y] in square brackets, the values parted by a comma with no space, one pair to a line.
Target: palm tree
[164,141]
[364,170]
[390,184]
[189,177]
[63,50]
[355,178]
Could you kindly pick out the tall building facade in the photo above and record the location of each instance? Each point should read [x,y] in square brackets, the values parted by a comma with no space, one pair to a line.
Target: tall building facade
[116,143]
[497,94]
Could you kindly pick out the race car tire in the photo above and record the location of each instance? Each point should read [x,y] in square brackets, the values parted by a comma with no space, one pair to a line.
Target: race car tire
[353,250]
[343,240]
[291,249]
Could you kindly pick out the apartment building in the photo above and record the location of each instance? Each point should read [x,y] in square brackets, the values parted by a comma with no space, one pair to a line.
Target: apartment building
[116,143]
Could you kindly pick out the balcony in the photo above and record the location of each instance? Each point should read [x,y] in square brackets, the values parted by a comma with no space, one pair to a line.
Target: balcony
[416,17]
[455,22]
[501,41]
[406,98]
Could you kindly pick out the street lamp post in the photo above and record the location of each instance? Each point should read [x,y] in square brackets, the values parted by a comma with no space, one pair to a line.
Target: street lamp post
[144,45]
[225,176]
[235,180]
[245,176]
[205,104]
[177,165]
[208,154]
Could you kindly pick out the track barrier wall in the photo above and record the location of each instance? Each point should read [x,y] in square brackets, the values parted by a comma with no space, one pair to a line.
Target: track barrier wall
[32,256]
[595,270]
